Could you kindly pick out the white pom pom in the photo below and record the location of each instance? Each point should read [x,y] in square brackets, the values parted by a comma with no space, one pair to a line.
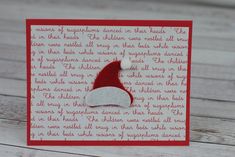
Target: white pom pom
[125,63]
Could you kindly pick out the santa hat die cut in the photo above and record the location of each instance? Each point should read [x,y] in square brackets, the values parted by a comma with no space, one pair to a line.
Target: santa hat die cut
[108,89]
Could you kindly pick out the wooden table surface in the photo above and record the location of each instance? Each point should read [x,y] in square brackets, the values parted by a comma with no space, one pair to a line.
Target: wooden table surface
[213,72]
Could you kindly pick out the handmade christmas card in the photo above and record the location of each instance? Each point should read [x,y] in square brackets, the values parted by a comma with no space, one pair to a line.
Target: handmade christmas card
[108,82]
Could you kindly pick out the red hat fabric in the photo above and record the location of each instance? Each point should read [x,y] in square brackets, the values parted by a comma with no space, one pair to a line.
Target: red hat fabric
[109,77]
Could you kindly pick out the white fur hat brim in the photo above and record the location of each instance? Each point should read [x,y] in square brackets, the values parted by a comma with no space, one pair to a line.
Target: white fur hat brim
[108,96]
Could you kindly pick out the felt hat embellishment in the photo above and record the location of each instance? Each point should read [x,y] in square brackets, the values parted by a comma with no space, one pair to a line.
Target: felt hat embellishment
[107,87]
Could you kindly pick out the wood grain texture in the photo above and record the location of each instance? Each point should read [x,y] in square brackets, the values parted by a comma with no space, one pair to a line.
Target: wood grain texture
[12,107]
[8,128]
[12,87]
[14,70]
[203,129]
[205,66]
[195,150]
[17,70]
[16,151]
[12,53]
[209,130]
[213,26]
[199,56]
[213,72]
[212,108]
[214,89]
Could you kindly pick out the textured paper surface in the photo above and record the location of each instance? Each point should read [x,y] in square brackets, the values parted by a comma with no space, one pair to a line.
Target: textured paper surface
[65,60]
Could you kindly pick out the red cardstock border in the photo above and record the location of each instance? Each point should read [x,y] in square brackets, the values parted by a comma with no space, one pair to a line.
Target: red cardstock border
[96,22]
